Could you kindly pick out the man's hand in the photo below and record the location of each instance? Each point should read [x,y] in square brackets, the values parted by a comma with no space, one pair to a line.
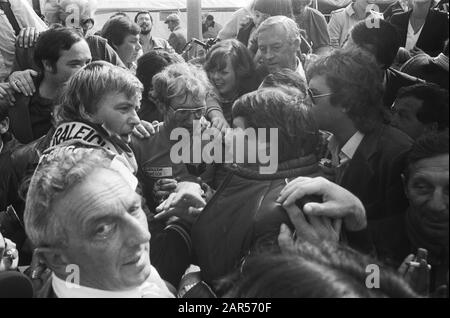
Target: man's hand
[22,82]
[416,271]
[9,256]
[220,123]
[7,94]
[310,229]
[187,204]
[163,188]
[144,130]
[27,37]
[338,203]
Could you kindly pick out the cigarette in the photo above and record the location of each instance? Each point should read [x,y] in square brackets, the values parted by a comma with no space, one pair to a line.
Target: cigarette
[417,265]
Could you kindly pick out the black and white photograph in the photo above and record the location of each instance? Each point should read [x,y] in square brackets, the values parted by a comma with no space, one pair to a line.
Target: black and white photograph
[224,154]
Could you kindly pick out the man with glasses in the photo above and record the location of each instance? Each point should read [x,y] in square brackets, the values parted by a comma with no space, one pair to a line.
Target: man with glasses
[346,89]
[180,93]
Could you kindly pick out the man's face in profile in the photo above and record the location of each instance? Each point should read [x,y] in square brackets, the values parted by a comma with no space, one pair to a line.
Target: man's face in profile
[106,232]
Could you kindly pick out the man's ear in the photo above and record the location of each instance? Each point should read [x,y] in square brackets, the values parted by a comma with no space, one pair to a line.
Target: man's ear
[48,67]
[4,126]
[54,258]
[405,185]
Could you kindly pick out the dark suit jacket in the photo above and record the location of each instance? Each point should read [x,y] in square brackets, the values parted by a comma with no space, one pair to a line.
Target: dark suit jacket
[374,173]
[434,33]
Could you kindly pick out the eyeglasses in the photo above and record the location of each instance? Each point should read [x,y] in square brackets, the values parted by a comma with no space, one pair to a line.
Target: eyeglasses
[199,112]
[315,97]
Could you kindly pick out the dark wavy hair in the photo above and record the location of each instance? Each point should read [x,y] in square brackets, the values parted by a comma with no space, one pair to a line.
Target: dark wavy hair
[327,270]
[298,135]
[435,103]
[241,61]
[52,42]
[356,81]
[383,41]
[428,146]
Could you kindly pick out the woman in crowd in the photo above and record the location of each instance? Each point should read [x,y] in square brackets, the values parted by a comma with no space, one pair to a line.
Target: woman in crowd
[231,71]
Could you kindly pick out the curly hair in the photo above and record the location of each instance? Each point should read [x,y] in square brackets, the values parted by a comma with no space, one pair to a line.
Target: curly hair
[298,135]
[56,174]
[79,98]
[241,61]
[356,82]
[181,80]
[327,270]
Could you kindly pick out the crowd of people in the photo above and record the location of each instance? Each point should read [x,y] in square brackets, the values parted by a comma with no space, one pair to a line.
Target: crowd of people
[351,110]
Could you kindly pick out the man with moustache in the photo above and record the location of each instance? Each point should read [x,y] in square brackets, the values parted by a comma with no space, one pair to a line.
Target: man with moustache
[149,42]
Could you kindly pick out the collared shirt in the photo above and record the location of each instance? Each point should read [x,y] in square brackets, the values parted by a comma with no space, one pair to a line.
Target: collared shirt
[26,17]
[154,287]
[300,69]
[412,37]
[150,43]
[347,152]
[342,21]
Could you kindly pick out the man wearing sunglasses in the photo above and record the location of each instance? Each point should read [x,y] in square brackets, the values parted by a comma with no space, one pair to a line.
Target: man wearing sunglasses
[346,89]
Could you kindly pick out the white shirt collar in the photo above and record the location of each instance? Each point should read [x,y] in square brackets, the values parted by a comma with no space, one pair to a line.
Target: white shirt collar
[300,69]
[2,145]
[154,287]
[347,152]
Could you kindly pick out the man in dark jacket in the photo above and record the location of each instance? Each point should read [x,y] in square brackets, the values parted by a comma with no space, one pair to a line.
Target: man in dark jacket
[243,215]
[368,156]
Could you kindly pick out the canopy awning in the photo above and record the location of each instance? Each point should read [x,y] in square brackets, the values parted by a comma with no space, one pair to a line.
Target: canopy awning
[105,6]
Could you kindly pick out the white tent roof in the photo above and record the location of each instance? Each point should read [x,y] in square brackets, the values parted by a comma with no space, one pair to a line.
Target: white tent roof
[165,5]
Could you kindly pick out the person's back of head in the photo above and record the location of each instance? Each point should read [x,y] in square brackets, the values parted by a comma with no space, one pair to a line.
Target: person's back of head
[325,271]
[435,104]
[274,7]
[383,41]
[286,78]
[271,108]
[153,63]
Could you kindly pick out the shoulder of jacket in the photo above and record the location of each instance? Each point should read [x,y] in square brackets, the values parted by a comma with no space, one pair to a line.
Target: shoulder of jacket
[338,11]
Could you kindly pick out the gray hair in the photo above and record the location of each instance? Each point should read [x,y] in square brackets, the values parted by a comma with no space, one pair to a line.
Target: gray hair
[291,27]
[56,174]
[181,79]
